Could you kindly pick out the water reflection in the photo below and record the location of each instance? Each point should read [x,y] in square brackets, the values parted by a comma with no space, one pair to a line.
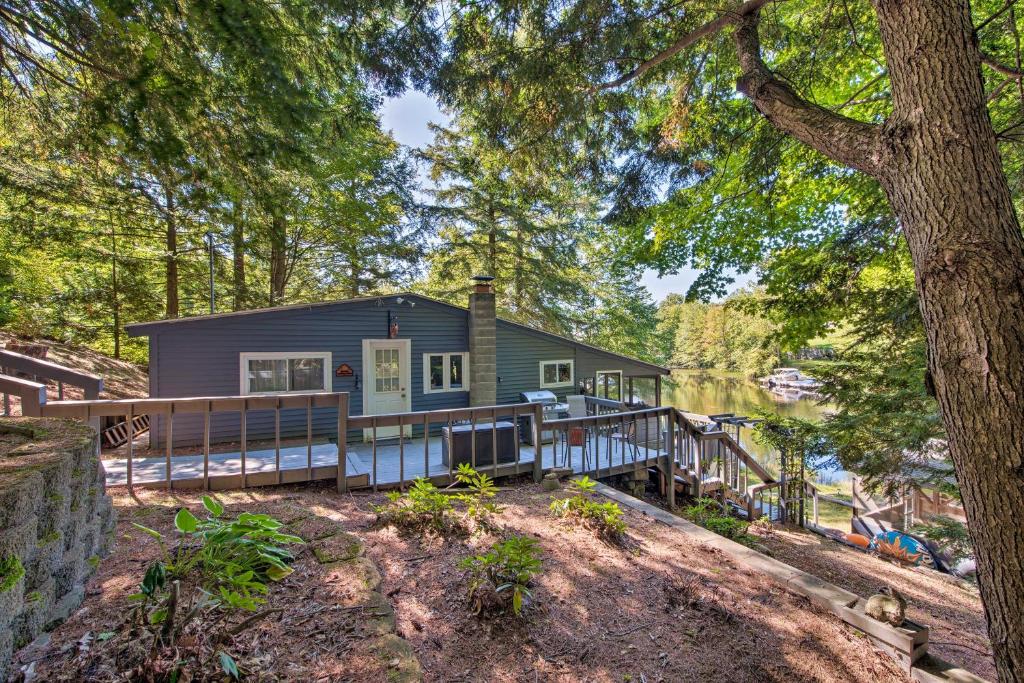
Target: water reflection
[710,392]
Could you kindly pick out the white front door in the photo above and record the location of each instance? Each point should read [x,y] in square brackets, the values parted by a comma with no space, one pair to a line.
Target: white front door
[387,388]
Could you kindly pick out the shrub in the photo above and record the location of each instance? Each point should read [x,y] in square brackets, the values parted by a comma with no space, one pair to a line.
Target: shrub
[216,567]
[501,577]
[709,514]
[480,507]
[604,518]
[423,509]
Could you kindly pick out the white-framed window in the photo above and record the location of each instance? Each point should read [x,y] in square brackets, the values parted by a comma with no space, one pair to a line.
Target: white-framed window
[556,373]
[445,372]
[281,373]
[608,384]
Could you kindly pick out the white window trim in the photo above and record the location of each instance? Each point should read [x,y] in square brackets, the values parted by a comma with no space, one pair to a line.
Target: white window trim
[447,376]
[243,365]
[572,373]
[598,373]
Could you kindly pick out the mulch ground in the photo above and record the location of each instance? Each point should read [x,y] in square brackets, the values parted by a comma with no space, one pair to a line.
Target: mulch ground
[664,608]
[950,607]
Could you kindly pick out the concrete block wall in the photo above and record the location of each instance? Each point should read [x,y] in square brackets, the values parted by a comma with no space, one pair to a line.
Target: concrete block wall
[56,523]
[483,347]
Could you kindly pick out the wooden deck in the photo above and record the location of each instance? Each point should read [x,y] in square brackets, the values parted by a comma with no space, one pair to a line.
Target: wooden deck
[395,464]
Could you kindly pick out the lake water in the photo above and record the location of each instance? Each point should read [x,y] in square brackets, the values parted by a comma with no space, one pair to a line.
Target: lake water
[712,392]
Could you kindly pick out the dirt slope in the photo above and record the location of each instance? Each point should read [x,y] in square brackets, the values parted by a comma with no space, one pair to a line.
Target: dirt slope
[121,379]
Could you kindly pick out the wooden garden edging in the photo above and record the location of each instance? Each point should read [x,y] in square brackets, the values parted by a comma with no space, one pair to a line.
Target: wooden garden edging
[907,646]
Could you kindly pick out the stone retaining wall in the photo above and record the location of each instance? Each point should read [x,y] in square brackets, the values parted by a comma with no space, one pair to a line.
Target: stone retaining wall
[56,522]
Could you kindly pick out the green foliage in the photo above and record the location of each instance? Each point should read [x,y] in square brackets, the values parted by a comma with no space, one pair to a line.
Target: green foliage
[948,533]
[507,570]
[720,336]
[424,509]
[11,571]
[480,507]
[709,514]
[605,519]
[215,567]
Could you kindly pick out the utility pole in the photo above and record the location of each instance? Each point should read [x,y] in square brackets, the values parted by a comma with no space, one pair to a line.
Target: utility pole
[210,248]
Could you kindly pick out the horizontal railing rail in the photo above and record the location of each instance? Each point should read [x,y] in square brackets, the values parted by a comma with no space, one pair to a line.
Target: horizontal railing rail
[601,406]
[487,438]
[615,442]
[167,408]
[32,395]
[90,384]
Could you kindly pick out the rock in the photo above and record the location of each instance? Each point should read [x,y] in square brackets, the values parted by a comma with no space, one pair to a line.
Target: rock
[551,484]
[378,616]
[337,548]
[312,528]
[403,667]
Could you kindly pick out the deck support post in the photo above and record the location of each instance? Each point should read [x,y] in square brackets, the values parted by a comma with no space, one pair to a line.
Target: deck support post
[538,447]
[342,432]
[657,391]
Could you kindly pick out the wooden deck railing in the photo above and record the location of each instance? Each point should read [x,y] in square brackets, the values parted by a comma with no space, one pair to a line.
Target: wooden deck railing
[12,362]
[206,406]
[30,394]
[639,436]
[489,456]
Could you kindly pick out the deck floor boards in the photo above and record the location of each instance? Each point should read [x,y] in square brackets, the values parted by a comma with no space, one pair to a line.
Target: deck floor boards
[151,470]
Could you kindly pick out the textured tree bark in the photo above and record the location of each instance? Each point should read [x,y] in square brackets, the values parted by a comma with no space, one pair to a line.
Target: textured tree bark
[238,261]
[171,226]
[278,259]
[937,160]
[945,182]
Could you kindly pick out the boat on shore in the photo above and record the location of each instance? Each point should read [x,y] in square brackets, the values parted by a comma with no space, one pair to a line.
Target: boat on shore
[791,383]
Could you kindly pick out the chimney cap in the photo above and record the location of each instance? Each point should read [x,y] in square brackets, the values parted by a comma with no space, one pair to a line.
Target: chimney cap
[482,279]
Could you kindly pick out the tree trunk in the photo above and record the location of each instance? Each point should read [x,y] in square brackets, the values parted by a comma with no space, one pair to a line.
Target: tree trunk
[171,224]
[238,260]
[946,184]
[115,292]
[278,259]
[937,160]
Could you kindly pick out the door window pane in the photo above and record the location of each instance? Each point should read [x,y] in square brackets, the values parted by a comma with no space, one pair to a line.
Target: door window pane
[268,375]
[609,385]
[455,373]
[386,369]
[306,374]
[436,372]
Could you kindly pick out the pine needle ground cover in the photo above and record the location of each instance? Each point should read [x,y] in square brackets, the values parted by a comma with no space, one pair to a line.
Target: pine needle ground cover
[365,602]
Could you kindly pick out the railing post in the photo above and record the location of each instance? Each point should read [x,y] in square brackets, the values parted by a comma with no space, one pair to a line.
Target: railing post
[342,432]
[671,470]
[814,503]
[538,449]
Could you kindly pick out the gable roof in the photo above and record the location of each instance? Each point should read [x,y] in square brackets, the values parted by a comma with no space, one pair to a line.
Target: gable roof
[146,328]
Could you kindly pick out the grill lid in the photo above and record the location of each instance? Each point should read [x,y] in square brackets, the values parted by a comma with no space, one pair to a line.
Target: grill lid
[542,396]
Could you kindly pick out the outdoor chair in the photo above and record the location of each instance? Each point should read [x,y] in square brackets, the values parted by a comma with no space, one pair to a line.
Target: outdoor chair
[625,436]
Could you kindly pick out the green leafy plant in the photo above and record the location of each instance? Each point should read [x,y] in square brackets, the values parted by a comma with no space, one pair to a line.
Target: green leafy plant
[950,534]
[480,506]
[217,566]
[501,577]
[708,513]
[423,509]
[603,518]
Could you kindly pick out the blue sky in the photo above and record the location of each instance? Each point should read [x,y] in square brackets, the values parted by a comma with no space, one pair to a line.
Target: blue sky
[407,118]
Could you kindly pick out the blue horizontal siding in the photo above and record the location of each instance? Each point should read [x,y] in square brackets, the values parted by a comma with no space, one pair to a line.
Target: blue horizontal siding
[201,358]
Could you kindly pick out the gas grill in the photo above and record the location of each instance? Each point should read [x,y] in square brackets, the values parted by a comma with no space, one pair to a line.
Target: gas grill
[553,410]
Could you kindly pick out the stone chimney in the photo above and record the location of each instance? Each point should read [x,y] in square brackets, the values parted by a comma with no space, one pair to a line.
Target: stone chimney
[483,343]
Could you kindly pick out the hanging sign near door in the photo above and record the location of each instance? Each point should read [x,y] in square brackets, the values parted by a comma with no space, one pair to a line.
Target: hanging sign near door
[344,370]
